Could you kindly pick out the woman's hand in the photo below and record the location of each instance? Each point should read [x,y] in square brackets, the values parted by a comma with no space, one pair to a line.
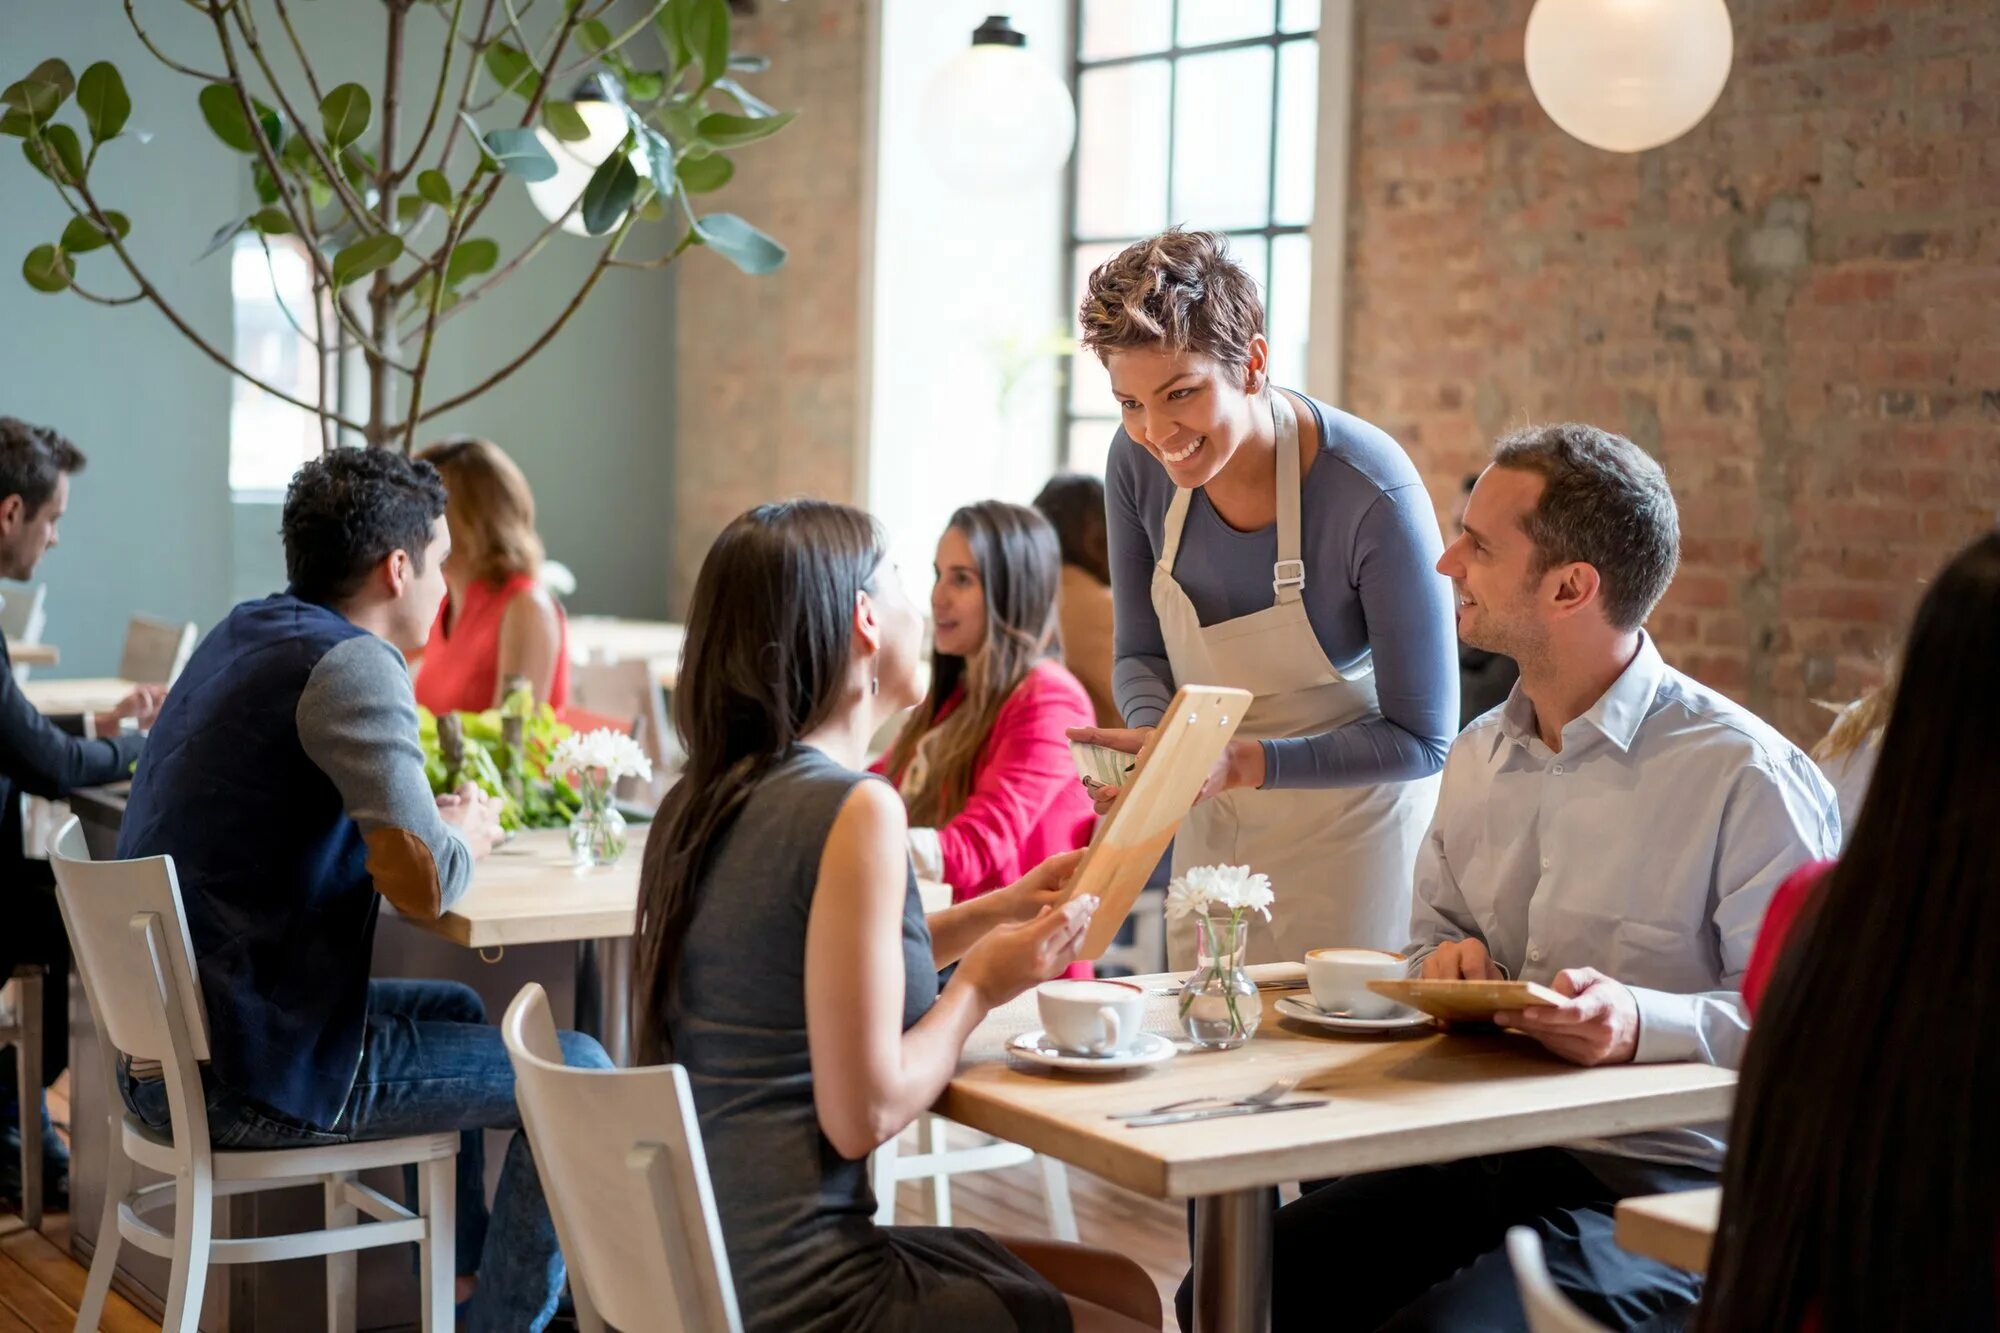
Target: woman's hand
[1125,740]
[1009,959]
[1044,886]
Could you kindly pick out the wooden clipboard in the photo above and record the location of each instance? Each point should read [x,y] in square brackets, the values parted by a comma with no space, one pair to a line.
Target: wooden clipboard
[1175,762]
[1466,1001]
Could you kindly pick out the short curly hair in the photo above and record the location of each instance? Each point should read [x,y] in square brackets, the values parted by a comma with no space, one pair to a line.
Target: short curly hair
[347,510]
[1180,291]
[31,459]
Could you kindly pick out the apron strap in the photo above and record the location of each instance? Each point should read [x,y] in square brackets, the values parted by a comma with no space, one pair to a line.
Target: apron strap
[1288,576]
[1170,543]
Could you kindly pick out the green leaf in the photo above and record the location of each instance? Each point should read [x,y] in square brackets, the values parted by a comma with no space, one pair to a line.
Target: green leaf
[469,259]
[16,122]
[512,70]
[408,206]
[46,88]
[520,153]
[708,37]
[83,235]
[357,165]
[224,114]
[672,24]
[223,235]
[565,121]
[653,209]
[105,104]
[645,85]
[722,130]
[57,153]
[594,35]
[432,185]
[47,269]
[266,185]
[658,155]
[344,114]
[608,197]
[753,105]
[271,222]
[740,243]
[365,256]
[699,175]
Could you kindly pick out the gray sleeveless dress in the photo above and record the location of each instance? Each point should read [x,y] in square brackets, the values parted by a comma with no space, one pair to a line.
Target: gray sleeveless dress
[797,1217]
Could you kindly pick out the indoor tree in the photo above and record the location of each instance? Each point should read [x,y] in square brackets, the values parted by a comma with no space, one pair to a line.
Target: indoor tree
[383,191]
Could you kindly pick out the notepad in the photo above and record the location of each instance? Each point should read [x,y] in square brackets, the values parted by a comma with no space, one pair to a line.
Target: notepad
[1466,1001]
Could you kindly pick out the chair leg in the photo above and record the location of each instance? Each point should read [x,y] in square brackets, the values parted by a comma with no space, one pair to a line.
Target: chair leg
[882,1174]
[28,1067]
[935,1127]
[437,1200]
[1055,1197]
[117,1183]
[194,1223]
[342,1265]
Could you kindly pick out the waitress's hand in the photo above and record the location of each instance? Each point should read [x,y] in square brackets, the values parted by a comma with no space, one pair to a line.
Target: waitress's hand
[1125,740]
[1241,765]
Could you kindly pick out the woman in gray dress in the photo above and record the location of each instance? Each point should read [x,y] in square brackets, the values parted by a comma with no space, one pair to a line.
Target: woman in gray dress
[787,964]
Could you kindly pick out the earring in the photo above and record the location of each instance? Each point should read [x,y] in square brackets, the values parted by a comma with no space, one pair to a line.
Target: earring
[874,684]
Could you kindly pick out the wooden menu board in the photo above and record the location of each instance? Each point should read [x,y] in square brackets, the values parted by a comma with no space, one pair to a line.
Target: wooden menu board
[1176,760]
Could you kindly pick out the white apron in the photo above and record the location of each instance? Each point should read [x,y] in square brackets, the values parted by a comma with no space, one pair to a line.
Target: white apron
[1340,859]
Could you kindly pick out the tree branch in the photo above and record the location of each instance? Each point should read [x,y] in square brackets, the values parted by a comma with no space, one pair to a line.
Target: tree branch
[500,274]
[95,299]
[437,100]
[616,42]
[471,81]
[172,64]
[381,300]
[596,271]
[312,80]
[451,239]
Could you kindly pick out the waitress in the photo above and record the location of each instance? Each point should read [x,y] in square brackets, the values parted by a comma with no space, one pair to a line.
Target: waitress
[1262,540]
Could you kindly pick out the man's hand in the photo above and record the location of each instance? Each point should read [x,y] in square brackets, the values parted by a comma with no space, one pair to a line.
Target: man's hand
[142,705]
[475,815]
[1599,1025]
[1461,960]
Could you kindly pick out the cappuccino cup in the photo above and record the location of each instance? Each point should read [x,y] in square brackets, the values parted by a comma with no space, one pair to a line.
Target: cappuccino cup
[1090,1017]
[1339,979]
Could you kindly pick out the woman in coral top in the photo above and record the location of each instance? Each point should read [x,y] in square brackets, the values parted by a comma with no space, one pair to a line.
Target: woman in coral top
[497,620]
[1862,1186]
[983,763]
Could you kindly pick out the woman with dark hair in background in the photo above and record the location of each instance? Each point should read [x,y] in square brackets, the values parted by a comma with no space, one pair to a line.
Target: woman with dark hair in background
[1073,503]
[786,963]
[1862,1186]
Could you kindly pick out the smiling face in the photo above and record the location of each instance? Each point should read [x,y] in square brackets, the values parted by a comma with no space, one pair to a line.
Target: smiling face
[958,598]
[898,663]
[1189,411]
[1492,566]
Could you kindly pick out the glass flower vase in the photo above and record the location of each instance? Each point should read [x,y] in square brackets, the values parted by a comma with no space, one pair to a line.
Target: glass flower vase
[1220,1006]
[597,831]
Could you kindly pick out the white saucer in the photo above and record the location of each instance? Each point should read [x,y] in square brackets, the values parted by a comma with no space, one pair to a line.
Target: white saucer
[1305,1011]
[1148,1048]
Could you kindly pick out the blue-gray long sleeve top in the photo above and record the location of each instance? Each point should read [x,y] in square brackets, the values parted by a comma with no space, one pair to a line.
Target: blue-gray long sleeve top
[1369,541]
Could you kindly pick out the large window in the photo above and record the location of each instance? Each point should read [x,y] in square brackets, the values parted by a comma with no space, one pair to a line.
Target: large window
[271,292]
[1202,113]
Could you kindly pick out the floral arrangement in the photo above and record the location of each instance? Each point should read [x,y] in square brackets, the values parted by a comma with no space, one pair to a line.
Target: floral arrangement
[1204,888]
[1218,1004]
[602,756]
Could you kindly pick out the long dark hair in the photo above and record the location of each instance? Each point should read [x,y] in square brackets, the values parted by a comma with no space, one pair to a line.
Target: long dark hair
[770,637]
[1862,1186]
[1073,503]
[1020,570]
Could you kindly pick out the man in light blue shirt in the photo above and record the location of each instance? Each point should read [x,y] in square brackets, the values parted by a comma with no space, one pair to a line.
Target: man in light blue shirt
[1613,831]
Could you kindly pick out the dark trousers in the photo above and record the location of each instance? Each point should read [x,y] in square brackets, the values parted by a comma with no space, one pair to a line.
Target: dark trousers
[31,931]
[1424,1248]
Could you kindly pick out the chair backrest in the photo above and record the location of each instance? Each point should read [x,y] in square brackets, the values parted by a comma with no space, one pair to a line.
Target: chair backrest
[1548,1310]
[130,938]
[24,615]
[621,1161]
[628,690]
[156,650]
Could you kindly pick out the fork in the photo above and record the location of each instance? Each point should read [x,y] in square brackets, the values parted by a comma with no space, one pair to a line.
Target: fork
[1261,1097]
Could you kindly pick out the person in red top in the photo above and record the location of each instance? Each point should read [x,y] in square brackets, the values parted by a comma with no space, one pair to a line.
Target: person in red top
[983,764]
[1862,1186]
[498,620]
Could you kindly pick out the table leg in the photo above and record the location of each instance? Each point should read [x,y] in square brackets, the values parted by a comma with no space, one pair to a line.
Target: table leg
[1232,1262]
[604,995]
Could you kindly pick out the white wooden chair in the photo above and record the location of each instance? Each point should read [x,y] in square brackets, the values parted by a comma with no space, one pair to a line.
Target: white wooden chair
[889,1166]
[130,938]
[629,691]
[21,1028]
[1548,1310]
[155,650]
[621,1162]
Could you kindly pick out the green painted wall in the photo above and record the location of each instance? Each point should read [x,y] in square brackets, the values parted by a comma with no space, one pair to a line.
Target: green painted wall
[151,526]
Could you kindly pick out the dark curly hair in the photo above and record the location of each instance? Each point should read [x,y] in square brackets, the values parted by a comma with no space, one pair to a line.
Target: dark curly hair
[347,510]
[31,458]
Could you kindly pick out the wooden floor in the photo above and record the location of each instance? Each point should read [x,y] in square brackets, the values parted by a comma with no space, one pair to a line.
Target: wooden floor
[40,1284]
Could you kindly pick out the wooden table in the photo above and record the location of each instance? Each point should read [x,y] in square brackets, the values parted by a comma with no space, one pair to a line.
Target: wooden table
[613,639]
[1396,1102]
[80,694]
[32,654]
[1676,1229]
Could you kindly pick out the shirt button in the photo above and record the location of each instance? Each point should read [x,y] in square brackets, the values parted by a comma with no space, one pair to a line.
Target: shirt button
[1559,769]
[1534,955]
[1545,863]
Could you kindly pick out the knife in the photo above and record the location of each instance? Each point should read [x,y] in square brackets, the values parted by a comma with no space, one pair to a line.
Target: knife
[1216,1113]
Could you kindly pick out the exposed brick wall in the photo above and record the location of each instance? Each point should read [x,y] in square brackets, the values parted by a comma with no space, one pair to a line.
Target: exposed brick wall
[1796,307]
[769,367]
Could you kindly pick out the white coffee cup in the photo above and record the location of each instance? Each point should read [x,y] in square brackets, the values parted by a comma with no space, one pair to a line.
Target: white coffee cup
[1090,1017]
[1339,979]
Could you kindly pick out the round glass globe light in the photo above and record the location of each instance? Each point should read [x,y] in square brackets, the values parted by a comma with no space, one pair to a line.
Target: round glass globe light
[995,117]
[1628,75]
[577,162]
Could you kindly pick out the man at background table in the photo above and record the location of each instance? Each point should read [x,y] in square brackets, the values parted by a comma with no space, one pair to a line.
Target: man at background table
[1613,815]
[286,781]
[48,757]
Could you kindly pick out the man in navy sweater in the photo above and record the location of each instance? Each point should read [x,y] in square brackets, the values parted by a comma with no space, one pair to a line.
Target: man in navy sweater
[285,779]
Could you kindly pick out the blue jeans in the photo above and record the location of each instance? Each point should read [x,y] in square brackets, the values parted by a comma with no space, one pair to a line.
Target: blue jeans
[430,1062]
